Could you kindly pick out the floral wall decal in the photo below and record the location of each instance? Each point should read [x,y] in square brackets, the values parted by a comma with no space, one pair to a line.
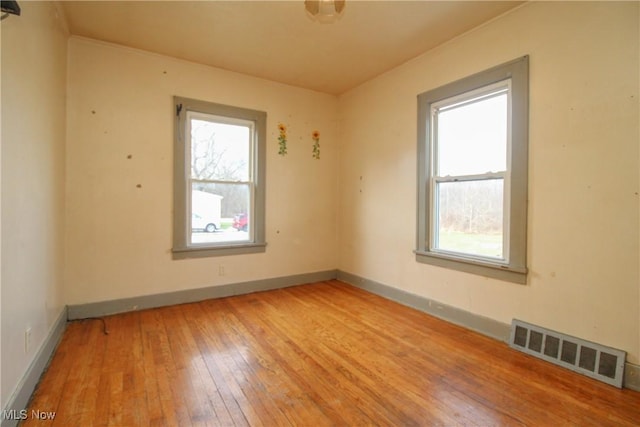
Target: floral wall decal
[316,144]
[282,139]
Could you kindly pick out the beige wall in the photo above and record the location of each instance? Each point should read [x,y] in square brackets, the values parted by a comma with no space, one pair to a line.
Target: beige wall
[583,178]
[119,237]
[34,56]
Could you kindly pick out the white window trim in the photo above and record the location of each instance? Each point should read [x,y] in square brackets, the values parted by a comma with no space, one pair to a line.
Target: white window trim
[513,268]
[182,180]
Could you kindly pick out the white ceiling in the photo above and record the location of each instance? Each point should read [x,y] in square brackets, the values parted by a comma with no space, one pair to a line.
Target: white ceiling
[276,40]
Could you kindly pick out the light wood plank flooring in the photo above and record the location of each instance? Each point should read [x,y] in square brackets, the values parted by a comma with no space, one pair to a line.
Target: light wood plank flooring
[314,355]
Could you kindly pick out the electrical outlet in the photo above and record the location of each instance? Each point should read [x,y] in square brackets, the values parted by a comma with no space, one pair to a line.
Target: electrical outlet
[221,270]
[27,340]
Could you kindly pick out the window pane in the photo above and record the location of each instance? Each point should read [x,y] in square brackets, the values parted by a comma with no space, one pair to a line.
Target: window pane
[219,151]
[470,219]
[220,212]
[472,137]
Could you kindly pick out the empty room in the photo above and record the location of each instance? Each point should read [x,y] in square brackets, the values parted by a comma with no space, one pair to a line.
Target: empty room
[306,213]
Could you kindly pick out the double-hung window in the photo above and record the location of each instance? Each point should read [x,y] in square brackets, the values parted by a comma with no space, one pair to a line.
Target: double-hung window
[472,173]
[219,170]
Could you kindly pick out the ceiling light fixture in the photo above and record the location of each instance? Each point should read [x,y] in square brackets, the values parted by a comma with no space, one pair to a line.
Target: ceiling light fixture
[9,7]
[324,11]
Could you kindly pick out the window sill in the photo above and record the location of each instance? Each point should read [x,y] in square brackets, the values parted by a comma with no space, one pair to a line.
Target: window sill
[213,251]
[494,271]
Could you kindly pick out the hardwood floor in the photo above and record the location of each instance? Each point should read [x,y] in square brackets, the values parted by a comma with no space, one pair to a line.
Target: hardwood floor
[312,355]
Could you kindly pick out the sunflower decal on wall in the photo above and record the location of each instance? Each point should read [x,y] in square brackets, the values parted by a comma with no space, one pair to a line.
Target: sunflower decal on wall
[282,139]
[316,144]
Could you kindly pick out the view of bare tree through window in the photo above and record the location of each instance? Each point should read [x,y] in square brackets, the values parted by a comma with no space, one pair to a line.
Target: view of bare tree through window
[470,217]
[220,178]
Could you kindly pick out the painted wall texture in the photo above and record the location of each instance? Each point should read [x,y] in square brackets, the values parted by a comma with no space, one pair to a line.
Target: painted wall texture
[120,209]
[34,71]
[583,234]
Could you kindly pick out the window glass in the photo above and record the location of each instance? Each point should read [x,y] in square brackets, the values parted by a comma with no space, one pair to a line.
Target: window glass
[219,151]
[472,137]
[470,218]
[220,177]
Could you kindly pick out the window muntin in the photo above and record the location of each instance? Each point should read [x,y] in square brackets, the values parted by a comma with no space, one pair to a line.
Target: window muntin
[219,178]
[498,182]
[470,145]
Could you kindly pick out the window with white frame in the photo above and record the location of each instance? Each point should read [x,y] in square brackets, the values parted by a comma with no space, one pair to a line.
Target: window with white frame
[219,179]
[472,173]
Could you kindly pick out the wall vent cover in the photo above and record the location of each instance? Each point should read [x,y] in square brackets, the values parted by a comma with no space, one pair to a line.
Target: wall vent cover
[597,361]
